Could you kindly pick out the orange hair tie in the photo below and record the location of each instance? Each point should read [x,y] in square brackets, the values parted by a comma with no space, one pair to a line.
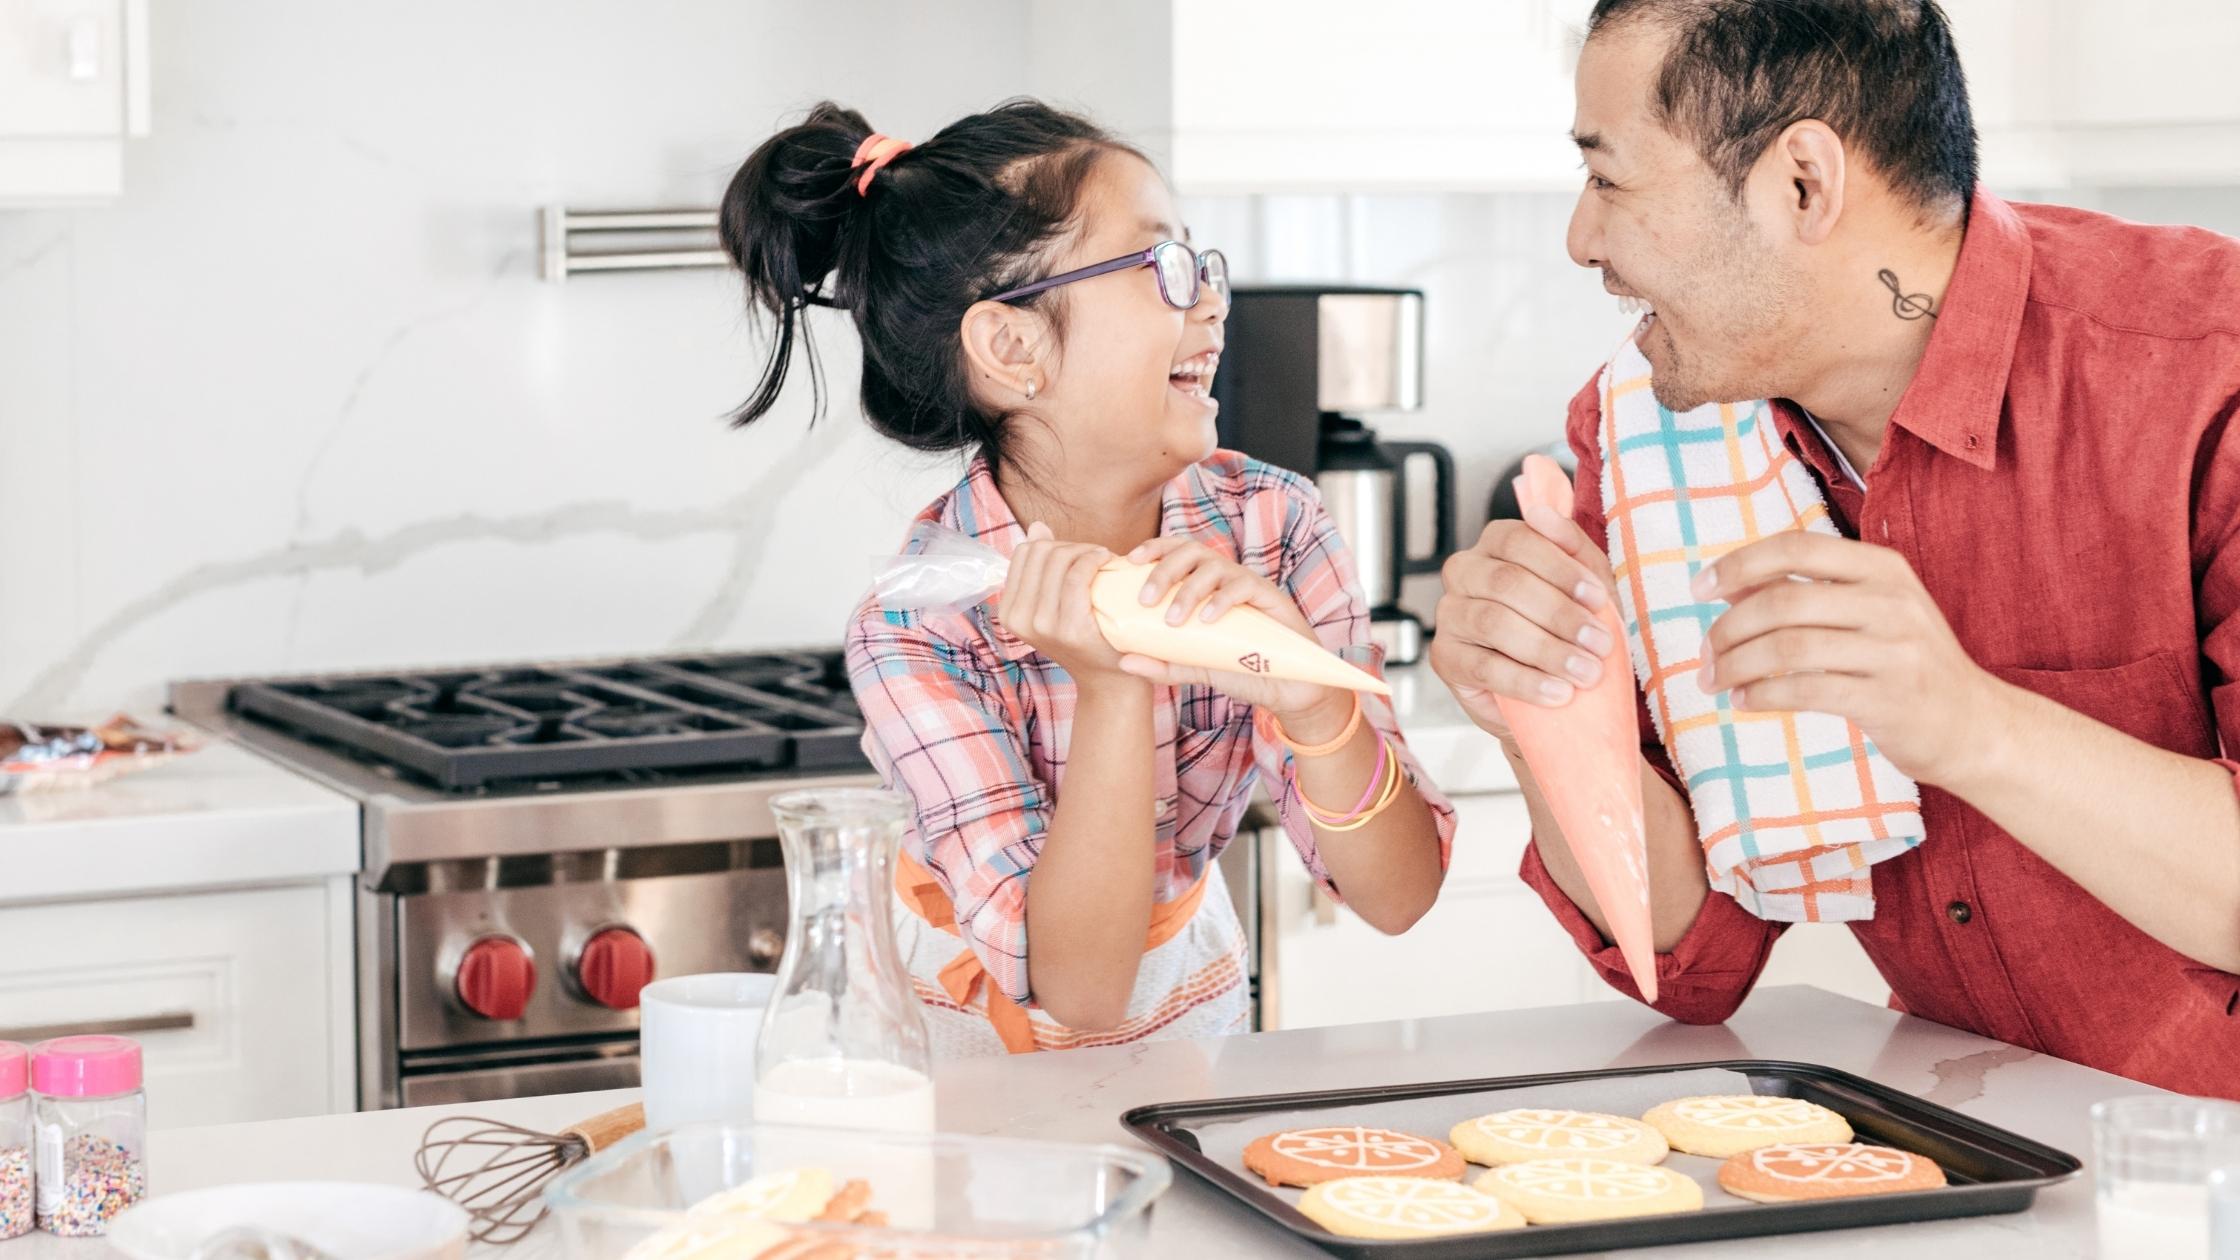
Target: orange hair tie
[873,155]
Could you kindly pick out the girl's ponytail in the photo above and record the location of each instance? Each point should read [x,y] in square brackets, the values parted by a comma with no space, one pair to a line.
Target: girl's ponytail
[792,220]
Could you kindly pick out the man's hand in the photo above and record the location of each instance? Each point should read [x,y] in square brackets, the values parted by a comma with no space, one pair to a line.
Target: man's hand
[1517,618]
[1858,637]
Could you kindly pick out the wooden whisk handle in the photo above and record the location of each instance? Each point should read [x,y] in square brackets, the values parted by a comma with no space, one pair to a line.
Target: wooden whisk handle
[608,1127]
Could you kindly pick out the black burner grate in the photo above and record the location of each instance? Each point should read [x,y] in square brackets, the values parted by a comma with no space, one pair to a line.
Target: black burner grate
[465,729]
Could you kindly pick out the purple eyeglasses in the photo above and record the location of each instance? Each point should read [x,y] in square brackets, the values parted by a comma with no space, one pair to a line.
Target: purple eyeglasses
[1184,273]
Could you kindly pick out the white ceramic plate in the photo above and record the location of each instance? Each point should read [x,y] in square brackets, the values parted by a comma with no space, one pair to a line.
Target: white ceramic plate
[347,1220]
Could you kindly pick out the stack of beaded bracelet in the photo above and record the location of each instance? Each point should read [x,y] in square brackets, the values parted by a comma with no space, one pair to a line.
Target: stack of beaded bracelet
[1384,785]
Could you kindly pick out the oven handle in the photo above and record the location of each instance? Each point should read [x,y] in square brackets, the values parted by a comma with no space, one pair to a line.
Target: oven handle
[171,1021]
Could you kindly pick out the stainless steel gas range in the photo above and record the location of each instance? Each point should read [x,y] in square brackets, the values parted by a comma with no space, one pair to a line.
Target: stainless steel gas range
[540,841]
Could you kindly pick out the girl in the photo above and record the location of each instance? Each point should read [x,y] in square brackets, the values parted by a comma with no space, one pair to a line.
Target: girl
[1025,293]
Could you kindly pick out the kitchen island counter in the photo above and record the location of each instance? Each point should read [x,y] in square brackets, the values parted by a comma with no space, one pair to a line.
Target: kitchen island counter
[1079,1096]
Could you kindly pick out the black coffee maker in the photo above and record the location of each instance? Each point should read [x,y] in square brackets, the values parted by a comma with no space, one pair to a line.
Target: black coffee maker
[1302,363]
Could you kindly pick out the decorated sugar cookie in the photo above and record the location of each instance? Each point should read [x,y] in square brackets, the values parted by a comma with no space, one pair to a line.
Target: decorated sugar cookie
[1826,1170]
[712,1237]
[1528,1133]
[1559,1191]
[793,1196]
[1405,1207]
[1308,1157]
[1720,1125]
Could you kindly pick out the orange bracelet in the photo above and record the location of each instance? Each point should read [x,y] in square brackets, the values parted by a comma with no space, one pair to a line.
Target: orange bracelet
[1266,723]
[1389,765]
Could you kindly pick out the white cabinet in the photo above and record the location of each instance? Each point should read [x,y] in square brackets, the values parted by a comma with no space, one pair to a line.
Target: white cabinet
[1488,944]
[241,1001]
[73,86]
[1827,956]
[2103,92]
[1272,95]
[1476,95]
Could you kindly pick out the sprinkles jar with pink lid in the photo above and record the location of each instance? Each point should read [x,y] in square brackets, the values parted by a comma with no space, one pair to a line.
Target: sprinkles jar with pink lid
[15,1140]
[91,1123]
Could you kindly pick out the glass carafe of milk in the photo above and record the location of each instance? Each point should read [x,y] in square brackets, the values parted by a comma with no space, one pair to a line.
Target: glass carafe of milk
[842,1042]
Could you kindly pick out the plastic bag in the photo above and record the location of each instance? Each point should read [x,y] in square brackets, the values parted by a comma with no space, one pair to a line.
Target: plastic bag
[34,756]
[949,573]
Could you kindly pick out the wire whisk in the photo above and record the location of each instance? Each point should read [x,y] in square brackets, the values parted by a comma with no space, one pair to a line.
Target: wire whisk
[497,1171]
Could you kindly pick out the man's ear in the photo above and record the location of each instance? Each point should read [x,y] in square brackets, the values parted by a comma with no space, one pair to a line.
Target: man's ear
[1807,162]
[1002,346]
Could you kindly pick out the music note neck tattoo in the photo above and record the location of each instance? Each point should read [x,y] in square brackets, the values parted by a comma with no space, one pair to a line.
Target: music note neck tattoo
[1905,305]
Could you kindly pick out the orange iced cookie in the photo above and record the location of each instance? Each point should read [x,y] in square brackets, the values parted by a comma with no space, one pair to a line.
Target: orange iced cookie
[1308,1157]
[1826,1170]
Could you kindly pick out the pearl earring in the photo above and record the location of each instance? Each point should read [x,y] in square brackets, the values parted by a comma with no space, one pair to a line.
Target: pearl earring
[1030,391]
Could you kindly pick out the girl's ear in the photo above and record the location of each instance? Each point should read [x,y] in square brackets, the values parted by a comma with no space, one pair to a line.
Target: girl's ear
[1003,349]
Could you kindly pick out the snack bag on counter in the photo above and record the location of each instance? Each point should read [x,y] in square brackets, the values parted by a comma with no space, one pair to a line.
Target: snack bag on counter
[33,757]
[1586,755]
[954,572]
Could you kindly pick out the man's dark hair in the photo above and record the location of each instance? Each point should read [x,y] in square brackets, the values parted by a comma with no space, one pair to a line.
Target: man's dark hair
[1882,73]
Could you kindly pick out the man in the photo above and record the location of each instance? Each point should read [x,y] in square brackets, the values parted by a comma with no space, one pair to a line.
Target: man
[2022,418]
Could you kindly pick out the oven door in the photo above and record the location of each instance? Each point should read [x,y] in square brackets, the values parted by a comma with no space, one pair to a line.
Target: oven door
[470,1081]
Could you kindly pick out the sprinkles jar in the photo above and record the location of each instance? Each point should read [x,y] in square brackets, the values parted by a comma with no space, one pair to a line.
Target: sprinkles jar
[15,1140]
[90,1120]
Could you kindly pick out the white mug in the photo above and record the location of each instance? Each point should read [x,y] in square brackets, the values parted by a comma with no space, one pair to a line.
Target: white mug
[696,1038]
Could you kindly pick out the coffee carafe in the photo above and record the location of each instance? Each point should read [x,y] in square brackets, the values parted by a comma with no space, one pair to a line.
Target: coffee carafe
[1302,364]
[1364,486]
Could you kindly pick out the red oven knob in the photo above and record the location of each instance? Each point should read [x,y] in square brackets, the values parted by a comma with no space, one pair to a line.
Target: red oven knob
[615,963]
[496,976]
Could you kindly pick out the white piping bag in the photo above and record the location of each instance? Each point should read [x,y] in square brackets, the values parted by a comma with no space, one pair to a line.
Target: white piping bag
[952,572]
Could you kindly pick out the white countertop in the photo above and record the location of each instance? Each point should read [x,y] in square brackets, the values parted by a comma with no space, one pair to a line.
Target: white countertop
[219,816]
[1080,1095]
[1460,758]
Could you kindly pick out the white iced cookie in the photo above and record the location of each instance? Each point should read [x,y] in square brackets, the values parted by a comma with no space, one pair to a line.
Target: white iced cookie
[714,1237]
[1404,1207]
[1723,1125]
[791,1197]
[1529,1133]
[1561,1191]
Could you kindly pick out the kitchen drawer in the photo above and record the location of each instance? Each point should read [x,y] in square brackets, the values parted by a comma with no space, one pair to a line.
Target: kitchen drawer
[1490,833]
[232,995]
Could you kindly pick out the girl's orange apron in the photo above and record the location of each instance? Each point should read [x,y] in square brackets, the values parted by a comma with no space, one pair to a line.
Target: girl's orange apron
[1191,982]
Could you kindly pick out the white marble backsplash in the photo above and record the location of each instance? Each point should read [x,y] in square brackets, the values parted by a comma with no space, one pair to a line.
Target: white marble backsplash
[298,401]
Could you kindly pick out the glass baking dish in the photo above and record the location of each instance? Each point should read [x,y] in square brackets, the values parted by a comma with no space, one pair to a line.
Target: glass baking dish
[945,1196]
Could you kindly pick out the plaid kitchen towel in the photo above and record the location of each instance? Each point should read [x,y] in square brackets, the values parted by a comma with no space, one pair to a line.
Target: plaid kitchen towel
[1793,809]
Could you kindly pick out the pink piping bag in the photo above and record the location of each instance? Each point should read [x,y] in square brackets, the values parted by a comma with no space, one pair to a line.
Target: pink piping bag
[1586,756]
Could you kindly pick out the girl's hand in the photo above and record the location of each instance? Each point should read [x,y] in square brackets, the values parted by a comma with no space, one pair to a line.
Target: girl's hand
[1207,584]
[1046,603]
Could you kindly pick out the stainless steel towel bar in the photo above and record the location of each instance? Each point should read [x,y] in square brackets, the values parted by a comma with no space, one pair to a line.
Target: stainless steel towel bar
[559,228]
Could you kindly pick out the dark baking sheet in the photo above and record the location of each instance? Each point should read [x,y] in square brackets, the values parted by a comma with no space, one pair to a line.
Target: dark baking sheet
[1991,1170]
